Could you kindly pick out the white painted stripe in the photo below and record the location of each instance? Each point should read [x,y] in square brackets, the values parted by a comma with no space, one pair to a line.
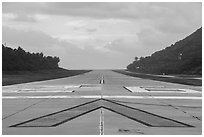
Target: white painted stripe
[42,88]
[190,91]
[159,90]
[72,86]
[41,97]
[136,89]
[101,124]
[172,97]
[152,86]
[39,91]
[128,97]
[102,81]
[154,97]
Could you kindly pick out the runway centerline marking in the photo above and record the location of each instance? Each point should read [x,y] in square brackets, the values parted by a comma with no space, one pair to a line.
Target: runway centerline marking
[102,80]
[101,124]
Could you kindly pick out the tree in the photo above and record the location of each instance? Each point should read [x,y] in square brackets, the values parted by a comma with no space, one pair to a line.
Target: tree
[18,59]
[185,56]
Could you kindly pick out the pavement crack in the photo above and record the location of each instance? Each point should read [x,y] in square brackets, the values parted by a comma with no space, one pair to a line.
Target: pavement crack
[136,131]
[26,108]
[179,109]
[23,109]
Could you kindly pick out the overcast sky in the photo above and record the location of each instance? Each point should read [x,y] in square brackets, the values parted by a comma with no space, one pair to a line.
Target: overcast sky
[97,35]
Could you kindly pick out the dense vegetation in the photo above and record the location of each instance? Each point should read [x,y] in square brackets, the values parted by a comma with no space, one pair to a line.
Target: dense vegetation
[19,60]
[17,77]
[183,57]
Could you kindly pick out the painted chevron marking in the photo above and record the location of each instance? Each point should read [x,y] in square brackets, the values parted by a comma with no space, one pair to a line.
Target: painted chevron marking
[138,115]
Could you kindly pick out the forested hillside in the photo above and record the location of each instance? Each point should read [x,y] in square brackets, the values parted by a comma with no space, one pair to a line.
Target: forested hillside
[183,57]
[19,59]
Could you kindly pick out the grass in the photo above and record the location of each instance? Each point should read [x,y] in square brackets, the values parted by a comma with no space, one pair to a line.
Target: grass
[17,77]
[180,79]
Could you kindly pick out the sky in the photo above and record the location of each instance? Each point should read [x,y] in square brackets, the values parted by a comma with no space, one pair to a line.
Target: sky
[101,35]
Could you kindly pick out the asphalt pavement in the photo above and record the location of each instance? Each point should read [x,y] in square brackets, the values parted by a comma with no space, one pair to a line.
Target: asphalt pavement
[101,102]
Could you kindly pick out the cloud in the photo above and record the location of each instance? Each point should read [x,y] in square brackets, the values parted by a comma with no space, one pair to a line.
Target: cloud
[71,56]
[98,34]
[26,37]
[127,10]
[87,9]
[169,17]
[91,30]
[123,45]
[35,41]
[24,18]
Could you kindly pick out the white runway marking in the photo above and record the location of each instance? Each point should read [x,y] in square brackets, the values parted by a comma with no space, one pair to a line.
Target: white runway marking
[101,124]
[42,89]
[102,80]
[152,86]
[160,90]
[40,97]
[129,97]
[135,89]
[90,87]
[155,97]
[38,91]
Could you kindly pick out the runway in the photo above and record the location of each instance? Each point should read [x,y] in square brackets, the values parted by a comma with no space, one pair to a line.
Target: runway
[101,102]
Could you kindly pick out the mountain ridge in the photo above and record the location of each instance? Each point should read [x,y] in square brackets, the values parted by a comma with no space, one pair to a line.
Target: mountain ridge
[183,57]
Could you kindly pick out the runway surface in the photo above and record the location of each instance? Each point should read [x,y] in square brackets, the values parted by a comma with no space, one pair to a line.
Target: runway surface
[101,102]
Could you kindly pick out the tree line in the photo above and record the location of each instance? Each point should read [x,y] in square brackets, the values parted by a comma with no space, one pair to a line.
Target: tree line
[18,60]
[183,57]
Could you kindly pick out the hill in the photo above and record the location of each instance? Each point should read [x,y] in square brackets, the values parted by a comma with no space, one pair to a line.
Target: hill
[183,57]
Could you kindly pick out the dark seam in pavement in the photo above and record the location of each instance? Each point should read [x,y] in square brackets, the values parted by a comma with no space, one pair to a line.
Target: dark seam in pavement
[127,89]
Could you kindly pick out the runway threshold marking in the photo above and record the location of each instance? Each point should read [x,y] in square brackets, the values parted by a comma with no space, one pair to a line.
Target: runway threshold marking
[138,115]
[158,89]
[88,87]
[42,89]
